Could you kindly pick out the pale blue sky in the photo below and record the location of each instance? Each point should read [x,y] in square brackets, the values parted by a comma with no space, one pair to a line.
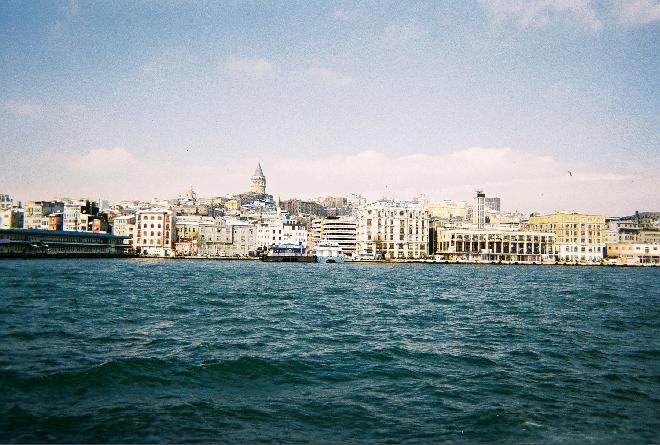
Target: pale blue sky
[96,96]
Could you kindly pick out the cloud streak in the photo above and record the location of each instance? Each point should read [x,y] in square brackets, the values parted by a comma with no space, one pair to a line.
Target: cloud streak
[330,77]
[530,14]
[256,67]
[23,108]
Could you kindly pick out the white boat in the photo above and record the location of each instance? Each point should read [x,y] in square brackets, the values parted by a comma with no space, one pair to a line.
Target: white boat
[328,252]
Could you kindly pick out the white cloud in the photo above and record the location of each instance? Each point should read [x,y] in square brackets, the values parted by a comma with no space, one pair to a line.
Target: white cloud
[637,12]
[525,181]
[23,109]
[529,14]
[251,67]
[330,77]
[102,159]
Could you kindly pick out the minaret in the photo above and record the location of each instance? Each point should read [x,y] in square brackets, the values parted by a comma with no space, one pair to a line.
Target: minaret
[258,181]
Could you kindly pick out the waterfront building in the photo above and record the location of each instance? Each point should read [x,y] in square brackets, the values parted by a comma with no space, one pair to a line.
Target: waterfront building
[634,253]
[493,244]
[187,247]
[36,210]
[258,181]
[187,227]
[214,238]
[578,237]
[58,243]
[243,239]
[124,226]
[154,232]
[392,229]
[479,209]
[280,231]
[336,229]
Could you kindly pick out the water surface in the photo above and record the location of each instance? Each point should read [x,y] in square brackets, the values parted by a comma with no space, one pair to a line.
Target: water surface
[224,351]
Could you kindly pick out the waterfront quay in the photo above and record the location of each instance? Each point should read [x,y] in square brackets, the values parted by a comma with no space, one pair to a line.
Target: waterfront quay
[15,243]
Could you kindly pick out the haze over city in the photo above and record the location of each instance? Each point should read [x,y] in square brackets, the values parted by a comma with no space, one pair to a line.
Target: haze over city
[548,104]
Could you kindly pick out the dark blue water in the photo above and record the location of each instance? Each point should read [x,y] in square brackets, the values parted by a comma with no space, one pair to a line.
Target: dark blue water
[191,351]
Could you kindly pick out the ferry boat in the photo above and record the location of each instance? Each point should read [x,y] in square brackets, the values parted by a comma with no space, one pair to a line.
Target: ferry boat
[288,253]
[328,252]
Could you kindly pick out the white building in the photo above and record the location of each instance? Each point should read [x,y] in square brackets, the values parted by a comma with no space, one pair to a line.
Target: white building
[154,232]
[479,210]
[124,226]
[392,229]
[71,218]
[494,244]
[341,230]
[280,231]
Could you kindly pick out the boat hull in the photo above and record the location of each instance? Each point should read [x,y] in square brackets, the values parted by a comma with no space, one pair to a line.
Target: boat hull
[330,259]
[289,258]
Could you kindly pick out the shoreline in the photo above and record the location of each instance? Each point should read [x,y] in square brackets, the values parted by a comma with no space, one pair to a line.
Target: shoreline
[395,261]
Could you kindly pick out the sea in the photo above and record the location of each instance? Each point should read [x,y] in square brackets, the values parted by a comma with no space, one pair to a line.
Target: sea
[160,351]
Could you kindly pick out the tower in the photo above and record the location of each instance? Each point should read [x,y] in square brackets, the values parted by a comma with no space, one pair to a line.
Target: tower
[258,181]
[479,210]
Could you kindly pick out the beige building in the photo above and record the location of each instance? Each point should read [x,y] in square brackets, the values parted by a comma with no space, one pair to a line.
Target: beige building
[392,229]
[214,238]
[35,211]
[337,229]
[124,226]
[578,237]
[154,232]
[633,253]
[494,244]
[449,210]
[10,217]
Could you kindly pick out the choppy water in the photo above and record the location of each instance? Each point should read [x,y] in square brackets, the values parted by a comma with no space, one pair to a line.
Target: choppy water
[172,351]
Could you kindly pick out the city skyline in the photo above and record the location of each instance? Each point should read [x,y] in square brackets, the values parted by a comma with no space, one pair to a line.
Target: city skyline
[551,105]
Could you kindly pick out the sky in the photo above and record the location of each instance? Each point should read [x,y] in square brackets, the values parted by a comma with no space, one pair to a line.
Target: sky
[548,104]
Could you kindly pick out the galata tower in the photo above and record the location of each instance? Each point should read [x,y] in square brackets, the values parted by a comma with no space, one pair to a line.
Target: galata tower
[258,181]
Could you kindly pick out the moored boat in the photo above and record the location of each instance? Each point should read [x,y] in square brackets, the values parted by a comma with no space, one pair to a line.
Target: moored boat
[328,252]
[288,253]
